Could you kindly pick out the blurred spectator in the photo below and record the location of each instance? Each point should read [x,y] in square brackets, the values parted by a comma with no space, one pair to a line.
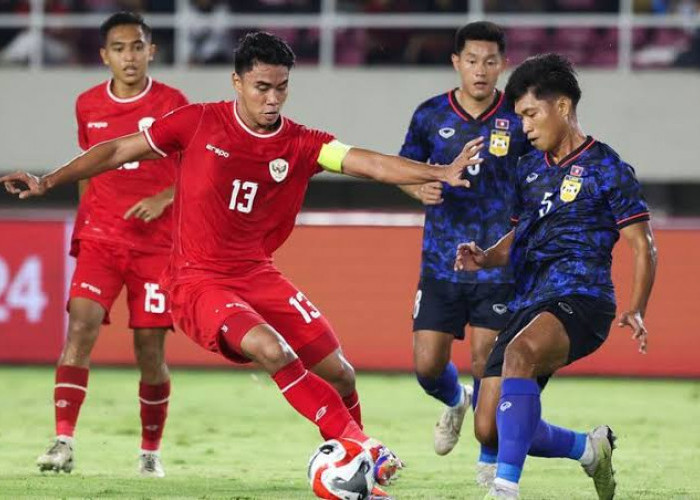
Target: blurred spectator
[210,41]
[14,6]
[552,5]
[372,6]
[275,6]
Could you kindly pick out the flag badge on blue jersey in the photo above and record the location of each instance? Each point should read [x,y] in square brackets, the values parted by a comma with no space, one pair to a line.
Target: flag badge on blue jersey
[577,171]
[502,123]
[570,188]
[499,143]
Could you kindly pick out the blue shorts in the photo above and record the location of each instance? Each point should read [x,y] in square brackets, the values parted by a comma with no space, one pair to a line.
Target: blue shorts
[586,320]
[448,307]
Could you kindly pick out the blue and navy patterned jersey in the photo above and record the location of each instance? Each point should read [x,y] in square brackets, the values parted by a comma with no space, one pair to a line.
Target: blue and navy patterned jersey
[439,130]
[569,217]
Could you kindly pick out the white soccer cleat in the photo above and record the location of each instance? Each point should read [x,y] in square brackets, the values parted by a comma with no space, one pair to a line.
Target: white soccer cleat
[602,441]
[59,457]
[447,429]
[496,493]
[150,464]
[485,474]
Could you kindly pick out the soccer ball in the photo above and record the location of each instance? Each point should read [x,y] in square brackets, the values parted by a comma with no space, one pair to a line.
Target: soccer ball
[341,469]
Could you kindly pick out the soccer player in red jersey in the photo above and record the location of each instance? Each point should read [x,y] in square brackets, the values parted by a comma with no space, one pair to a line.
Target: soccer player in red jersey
[242,175]
[122,237]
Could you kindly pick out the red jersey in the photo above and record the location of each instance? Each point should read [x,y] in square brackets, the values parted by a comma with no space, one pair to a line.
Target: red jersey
[103,116]
[238,192]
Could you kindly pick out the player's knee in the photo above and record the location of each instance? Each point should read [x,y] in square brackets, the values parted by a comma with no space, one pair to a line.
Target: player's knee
[273,353]
[485,431]
[478,365]
[428,365]
[82,330]
[520,359]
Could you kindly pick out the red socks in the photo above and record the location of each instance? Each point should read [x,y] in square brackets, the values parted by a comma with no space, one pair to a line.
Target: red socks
[352,403]
[154,410]
[318,401]
[68,395]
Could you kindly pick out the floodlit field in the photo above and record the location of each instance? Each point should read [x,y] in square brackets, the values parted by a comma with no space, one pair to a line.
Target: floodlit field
[232,435]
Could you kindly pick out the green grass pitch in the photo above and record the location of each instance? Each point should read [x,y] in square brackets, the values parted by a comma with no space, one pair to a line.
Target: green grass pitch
[230,434]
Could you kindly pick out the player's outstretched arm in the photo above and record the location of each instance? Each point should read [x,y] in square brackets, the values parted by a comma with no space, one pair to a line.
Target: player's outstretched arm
[100,158]
[397,170]
[472,258]
[641,239]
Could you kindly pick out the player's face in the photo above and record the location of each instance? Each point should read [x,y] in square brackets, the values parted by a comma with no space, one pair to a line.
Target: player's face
[545,121]
[262,92]
[479,65]
[127,52]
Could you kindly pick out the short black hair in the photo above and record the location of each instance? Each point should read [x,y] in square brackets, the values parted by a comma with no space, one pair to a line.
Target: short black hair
[120,19]
[482,31]
[546,76]
[262,47]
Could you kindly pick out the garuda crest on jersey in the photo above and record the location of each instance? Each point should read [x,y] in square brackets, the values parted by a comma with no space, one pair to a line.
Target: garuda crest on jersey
[499,142]
[570,188]
[279,168]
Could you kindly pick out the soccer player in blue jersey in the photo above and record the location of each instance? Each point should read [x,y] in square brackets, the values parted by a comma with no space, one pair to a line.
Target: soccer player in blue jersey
[574,197]
[446,300]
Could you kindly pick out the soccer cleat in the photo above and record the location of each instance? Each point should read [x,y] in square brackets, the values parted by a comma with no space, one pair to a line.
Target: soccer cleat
[379,494]
[496,493]
[485,474]
[150,464]
[59,457]
[446,433]
[386,463]
[602,440]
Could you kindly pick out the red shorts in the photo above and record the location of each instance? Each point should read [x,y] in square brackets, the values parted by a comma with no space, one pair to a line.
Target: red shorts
[262,296]
[103,269]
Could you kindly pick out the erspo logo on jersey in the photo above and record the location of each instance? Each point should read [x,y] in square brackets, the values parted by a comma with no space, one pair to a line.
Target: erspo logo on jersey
[217,151]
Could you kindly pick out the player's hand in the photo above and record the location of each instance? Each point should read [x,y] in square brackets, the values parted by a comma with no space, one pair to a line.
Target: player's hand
[469,257]
[148,209]
[24,185]
[430,193]
[635,321]
[455,170]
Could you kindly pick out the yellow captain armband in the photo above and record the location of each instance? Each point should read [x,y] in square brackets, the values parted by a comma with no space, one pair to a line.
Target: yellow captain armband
[332,155]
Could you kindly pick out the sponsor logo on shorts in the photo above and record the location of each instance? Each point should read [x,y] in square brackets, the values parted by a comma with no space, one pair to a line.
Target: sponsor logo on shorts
[97,125]
[566,308]
[320,413]
[416,304]
[500,308]
[446,132]
[92,288]
[217,151]
[505,405]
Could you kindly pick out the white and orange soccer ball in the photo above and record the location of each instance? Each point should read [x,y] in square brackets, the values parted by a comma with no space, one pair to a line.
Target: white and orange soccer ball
[341,469]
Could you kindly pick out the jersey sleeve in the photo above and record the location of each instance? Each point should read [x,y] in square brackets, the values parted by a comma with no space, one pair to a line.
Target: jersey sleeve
[174,131]
[517,178]
[82,129]
[313,142]
[415,144]
[624,195]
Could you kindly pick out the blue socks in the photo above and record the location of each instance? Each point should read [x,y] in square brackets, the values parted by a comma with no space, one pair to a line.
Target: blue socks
[551,441]
[517,419]
[445,388]
[486,455]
